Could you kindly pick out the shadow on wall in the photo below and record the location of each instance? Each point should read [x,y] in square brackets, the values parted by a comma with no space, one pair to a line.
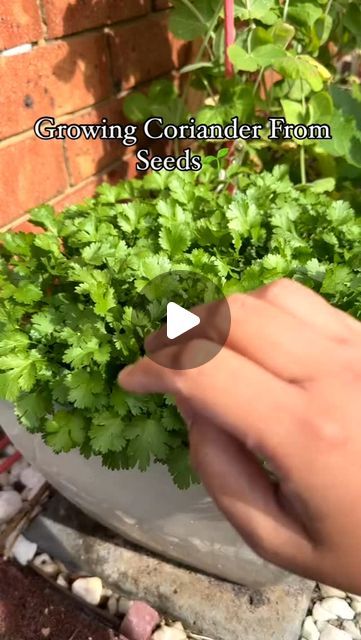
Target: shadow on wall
[127,55]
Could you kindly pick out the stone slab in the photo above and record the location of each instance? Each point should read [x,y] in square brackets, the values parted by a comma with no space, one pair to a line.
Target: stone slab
[205,605]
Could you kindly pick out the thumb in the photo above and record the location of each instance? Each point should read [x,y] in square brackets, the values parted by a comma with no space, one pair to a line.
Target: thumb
[247,496]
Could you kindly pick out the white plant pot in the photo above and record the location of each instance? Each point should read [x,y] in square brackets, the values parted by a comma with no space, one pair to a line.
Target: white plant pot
[147,509]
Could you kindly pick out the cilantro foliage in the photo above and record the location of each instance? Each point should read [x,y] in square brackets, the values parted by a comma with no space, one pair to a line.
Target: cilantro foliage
[69,296]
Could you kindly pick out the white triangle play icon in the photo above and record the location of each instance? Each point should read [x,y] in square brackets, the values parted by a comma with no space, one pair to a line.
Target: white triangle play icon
[179,320]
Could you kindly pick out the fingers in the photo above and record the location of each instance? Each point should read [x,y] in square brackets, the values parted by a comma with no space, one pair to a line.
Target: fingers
[266,334]
[230,390]
[308,306]
[246,495]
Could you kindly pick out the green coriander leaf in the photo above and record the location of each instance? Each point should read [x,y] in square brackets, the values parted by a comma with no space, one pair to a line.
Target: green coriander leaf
[180,468]
[65,431]
[107,432]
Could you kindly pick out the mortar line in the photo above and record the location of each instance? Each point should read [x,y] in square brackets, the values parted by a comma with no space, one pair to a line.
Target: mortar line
[69,190]
[44,21]
[101,28]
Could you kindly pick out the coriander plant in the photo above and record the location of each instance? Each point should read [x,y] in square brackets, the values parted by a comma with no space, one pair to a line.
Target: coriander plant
[69,295]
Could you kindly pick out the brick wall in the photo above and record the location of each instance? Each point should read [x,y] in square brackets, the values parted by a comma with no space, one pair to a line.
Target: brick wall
[85,56]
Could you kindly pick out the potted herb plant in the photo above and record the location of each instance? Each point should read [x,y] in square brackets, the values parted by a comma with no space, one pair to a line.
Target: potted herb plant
[68,299]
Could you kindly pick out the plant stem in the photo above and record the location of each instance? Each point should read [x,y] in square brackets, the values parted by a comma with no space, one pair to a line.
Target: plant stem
[302,147]
[199,55]
[285,10]
[258,81]
[303,164]
[202,48]
[328,8]
[196,13]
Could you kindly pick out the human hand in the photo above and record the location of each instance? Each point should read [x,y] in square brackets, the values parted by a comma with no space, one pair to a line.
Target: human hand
[285,387]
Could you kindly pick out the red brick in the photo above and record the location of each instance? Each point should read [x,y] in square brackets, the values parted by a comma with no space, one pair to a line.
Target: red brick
[32,171]
[86,157]
[144,50]
[64,17]
[159,5]
[20,22]
[123,170]
[52,79]
[76,195]
[27,227]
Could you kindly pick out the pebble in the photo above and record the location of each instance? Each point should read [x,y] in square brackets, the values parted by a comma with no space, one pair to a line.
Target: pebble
[89,589]
[169,633]
[10,505]
[309,629]
[31,478]
[47,565]
[42,558]
[356,605]
[353,596]
[62,581]
[23,550]
[338,607]
[350,627]
[16,470]
[329,592]
[140,621]
[332,633]
[321,624]
[112,605]
[124,605]
[320,614]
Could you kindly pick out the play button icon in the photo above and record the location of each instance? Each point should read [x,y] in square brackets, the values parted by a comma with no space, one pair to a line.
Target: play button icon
[179,320]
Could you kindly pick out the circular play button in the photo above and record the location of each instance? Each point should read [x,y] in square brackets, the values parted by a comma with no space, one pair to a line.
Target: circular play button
[184,317]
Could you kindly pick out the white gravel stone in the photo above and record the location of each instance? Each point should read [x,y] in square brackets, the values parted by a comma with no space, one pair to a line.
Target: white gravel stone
[309,629]
[42,558]
[16,470]
[320,614]
[47,565]
[10,505]
[23,550]
[89,589]
[338,607]
[169,633]
[31,478]
[330,592]
[357,620]
[350,627]
[51,569]
[124,605]
[112,605]
[356,605]
[9,450]
[62,581]
[332,633]
[354,596]
[321,624]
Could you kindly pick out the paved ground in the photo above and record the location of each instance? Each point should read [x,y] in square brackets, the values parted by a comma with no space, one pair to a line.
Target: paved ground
[205,605]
